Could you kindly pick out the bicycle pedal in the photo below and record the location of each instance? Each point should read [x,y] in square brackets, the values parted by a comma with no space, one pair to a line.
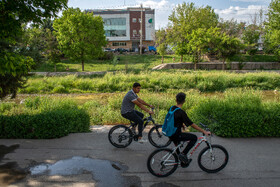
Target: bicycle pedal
[184,165]
[135,138]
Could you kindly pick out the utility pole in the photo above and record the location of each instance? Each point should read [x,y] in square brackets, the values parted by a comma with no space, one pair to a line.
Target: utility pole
[141,28]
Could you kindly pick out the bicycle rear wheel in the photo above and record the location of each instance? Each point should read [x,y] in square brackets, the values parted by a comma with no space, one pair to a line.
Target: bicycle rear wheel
[162,163]
[213,160]
[156,138]
[120,136]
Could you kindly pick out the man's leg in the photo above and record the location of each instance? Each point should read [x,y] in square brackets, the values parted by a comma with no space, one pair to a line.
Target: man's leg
[140,124]
[132,116]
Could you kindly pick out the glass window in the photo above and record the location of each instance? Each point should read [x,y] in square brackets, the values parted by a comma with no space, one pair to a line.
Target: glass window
[115,33]
[114,21]
[119,43]
[139,20]
[134,32]
[134,20]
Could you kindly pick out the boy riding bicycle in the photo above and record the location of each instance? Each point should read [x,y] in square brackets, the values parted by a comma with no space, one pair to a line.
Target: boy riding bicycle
[180,118]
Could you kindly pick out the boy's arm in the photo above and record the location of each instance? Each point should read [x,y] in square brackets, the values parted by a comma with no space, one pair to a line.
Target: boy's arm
[200,129]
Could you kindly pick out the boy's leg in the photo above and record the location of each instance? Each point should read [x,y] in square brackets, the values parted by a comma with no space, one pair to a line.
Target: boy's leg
[192,138]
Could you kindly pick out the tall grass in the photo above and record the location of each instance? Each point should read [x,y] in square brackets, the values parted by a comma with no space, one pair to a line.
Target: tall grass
[203,81]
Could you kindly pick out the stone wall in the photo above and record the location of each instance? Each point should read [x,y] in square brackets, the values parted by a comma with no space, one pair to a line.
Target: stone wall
[219,66]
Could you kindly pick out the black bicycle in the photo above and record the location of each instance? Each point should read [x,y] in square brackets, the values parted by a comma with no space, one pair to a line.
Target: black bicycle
[121,136]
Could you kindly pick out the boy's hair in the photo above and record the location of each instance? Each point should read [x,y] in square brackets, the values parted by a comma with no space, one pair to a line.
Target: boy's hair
[180,98]
[136,84]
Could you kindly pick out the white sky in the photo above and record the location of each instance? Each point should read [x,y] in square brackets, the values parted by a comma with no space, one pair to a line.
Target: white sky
[240,10]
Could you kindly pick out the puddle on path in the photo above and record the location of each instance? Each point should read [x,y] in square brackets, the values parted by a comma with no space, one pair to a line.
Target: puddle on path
[104,172]
[9,172]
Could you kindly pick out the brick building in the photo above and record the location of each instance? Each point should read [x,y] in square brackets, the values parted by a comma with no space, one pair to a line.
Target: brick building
[122,27]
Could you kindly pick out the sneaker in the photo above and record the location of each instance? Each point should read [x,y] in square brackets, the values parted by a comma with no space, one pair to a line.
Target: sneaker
[184,165]
[142,140]
[183,158]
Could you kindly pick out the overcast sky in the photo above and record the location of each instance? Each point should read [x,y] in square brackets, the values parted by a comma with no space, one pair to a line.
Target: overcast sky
[240,10]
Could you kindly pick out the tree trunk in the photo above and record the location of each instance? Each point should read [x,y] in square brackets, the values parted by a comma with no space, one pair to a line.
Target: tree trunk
[181,59]
[54,67]
[162,59]
[223,67]
[83,65]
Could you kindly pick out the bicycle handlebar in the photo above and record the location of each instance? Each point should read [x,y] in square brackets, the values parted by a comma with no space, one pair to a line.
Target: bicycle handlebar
[205,127]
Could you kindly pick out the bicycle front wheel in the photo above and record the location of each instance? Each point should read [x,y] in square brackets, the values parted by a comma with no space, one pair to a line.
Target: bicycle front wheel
[214,159]
[120,136]
[162,163]
[156,138]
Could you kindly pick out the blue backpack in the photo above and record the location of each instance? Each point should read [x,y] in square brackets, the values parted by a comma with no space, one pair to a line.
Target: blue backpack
[168,128]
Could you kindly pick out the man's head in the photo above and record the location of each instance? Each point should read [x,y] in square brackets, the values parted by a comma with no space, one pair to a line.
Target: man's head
[180,98]
[136,87]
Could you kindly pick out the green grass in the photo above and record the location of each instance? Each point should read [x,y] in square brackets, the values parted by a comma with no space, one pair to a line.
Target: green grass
[134,62]
[105,108]
[127,62]
[254,58]
[152,81]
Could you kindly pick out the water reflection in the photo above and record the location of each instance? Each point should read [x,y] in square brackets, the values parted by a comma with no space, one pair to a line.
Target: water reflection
[105,172]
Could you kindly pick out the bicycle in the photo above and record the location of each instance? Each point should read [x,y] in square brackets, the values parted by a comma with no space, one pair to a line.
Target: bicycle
[163,162]
[121,136]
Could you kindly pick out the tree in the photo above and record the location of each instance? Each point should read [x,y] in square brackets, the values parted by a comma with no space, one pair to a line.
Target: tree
[272,29]
[14,67]
[185,19]
[161,42]
[80,35]
[250,37]
[198,44]
[52,53]
[232,27]
[227,46]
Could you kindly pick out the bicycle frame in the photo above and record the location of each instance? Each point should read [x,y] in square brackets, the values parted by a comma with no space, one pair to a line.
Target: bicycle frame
[200,140]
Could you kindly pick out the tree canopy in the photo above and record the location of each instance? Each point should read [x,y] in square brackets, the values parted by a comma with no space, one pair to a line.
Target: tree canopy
[272,29]
[80,35]
[186,20]
[14,67]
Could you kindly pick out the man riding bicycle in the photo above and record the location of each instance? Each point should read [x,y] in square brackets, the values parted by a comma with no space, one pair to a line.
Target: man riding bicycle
[181,117]
[127,110]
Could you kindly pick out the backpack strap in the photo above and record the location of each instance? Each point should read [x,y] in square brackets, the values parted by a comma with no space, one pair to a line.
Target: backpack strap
[173,110]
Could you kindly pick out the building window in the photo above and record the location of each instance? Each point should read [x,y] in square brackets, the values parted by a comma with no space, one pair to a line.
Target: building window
[134,32]
[139,20]
[115,33]
[119,44]
[134,20]
[114,21]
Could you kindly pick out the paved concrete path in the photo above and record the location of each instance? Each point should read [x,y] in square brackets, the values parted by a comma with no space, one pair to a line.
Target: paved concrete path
[88,159]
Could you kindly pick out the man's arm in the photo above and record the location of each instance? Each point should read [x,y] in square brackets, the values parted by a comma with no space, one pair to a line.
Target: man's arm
[140,105]
[200,129]
[144,103]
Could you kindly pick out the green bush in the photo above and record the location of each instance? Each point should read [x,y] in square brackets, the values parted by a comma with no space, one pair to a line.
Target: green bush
[239,114]
[50,124]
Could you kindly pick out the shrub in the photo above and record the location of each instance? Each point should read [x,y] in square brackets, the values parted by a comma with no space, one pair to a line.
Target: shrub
[239,114]
[50,124]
